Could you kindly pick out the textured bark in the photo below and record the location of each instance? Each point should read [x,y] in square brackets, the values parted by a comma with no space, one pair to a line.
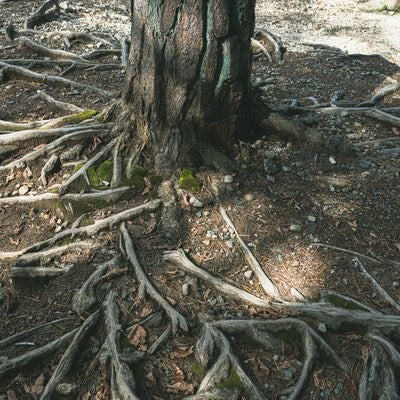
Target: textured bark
[188,76]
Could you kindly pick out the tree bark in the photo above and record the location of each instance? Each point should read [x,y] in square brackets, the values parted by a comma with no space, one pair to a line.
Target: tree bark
[188,77]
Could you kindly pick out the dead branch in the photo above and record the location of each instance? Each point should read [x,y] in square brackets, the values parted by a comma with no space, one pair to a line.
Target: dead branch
[355,253]
[82,172]
[68,357]
[51,164]
[16,126]
[85,297]
[58,105]
[177,320]
[48,9]
[52,63]
[117,166]
[30,356]
[90,230]
[275,42]
[123,382]
[331,314]
[269,287]
[37,272]
[257,44]
[12,71]
[102,53]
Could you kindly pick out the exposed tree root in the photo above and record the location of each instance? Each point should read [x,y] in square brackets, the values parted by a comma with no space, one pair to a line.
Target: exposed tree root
[269,287]
[46,52]
[122,380]
[15,137]
[37,272]
[90,230]
[59,105]
[108,196]
[215,337]
[13,72]
[47,10]
[8,341]
[177,320]
[85,297]
[55,144]
[30,356]
[82,172]
[68,357]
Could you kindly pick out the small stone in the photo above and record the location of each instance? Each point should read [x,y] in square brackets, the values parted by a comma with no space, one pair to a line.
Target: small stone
[186,289]
[311,218]
[27,173]
[298,164]
[23,190]
[228,178]
[295,228]
[199,214]
[270,154]
[206,242]
[196,203]
[248,197]
[15,193]
[230,244]
[270,178]
[332,160]
[270,167]
[276,357]
[338,388]
[322,327]
[206,213]
[288,373]
[286,169]
[58,229]
[396,284]
[248,274]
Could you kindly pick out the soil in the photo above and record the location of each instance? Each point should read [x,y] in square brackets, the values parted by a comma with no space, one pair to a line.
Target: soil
[350,201]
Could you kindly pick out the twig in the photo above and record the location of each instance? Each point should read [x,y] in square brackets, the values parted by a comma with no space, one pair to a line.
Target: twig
[377,286]
[29,332]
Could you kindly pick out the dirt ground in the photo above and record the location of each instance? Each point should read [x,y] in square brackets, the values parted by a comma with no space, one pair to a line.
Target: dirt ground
[289,197]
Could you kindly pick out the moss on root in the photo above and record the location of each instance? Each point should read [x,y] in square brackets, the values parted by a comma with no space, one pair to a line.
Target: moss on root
[233,381]
[79,117]
[187,180]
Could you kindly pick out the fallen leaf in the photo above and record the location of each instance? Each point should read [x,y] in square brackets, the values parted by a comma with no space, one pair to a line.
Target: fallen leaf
[182,352]
[181,387]
[11,395]
[37,388]
[137,337]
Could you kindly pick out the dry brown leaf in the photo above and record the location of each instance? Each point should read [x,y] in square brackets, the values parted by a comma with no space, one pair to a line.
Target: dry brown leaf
[11,395]
[137,337]
[181,387]
[37,388]
[146,310]
[182,352]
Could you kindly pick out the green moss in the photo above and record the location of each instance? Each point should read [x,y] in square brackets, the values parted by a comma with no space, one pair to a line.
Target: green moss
[79,117]
[137,178]
[105,171]
[343,303]
[231,382]
[197,370]
[87,221]
[54,190]
[187,181]
[290,337]
[77,168]
[94,179]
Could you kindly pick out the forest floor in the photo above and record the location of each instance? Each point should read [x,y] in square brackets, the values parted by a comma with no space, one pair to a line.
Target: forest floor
[288,198]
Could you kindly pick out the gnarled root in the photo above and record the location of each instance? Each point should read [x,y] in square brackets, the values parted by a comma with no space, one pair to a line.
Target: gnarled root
[177,320]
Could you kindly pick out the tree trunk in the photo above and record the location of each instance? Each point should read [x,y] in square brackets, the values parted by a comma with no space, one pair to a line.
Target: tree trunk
[188,78]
